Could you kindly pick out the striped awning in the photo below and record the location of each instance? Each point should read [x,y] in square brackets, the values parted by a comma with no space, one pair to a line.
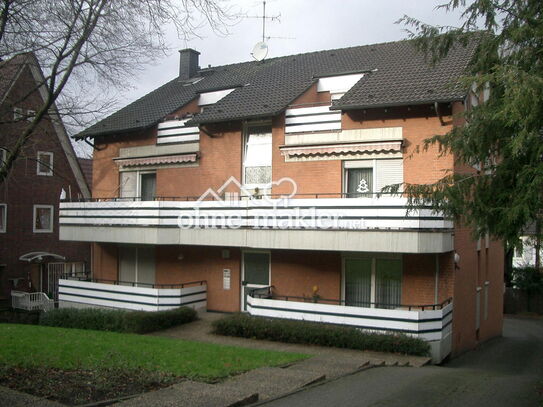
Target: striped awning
[330,150]
[161,160]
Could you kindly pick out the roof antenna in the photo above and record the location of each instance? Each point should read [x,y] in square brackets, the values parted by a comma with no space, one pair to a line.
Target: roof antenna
[260,50]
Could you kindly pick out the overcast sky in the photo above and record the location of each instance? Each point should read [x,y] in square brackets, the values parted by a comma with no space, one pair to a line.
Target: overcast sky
[313,24]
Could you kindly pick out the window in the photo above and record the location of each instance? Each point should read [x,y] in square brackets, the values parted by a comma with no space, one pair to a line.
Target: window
[17,113]
[30,115]
[45,163]
[3,156]
[257,159]
[372,282]
[137,265]
[138,184]
[43,219]
[148,186]
[359,182]
[3,217]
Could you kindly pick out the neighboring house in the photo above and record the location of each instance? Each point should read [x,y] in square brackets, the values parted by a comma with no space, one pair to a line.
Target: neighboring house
[525,257]
[190,184]
[31,255]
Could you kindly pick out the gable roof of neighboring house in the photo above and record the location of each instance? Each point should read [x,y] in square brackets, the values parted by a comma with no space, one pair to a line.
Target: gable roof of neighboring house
[395,74]
[86,167]
[9,74]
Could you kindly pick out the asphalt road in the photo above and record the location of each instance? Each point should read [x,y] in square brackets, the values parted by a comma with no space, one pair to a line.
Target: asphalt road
[502,372]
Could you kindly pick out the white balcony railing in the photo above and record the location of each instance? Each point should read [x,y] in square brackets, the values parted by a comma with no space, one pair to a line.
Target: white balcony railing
[124,296]
[385,213]
[432,323]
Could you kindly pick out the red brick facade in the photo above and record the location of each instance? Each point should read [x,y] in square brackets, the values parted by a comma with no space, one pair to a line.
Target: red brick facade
[427,278]
[24,188]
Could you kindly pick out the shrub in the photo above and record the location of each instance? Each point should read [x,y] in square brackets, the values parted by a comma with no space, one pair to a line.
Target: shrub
[17,316]
[528,279]
[314,333]
[117,320]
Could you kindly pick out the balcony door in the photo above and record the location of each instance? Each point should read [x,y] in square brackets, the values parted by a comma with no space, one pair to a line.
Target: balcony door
[372,282]
[255,273]
[138,185]
[137,265]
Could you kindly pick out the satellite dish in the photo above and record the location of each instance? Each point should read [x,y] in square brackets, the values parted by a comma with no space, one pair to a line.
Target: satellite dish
[260,51]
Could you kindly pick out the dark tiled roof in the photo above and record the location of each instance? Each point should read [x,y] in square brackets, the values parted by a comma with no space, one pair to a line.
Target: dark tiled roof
[400,75]
[9,70]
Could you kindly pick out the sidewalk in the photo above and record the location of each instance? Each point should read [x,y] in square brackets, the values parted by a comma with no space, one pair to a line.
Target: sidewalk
[263,383]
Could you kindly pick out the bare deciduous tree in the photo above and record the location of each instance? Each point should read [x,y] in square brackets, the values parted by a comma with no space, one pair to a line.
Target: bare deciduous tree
[95,44]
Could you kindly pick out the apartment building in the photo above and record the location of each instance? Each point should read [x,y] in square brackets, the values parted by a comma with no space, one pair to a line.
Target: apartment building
[257,187]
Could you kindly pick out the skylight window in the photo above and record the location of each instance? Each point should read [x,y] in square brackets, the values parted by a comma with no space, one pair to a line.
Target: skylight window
[209,98]
[338,85]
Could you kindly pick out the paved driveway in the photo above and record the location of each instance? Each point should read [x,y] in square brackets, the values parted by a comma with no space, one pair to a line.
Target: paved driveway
[503,372]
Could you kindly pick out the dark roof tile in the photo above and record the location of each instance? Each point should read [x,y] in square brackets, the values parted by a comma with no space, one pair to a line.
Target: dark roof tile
[399,75]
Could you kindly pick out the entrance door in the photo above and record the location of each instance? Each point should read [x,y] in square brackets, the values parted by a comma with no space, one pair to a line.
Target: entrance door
[255,274]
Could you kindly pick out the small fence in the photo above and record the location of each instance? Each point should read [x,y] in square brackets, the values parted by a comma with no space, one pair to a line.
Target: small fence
[519,301]
[31,301]
[118,294]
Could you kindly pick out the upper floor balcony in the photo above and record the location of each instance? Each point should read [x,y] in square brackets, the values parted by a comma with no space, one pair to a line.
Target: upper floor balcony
[335,222]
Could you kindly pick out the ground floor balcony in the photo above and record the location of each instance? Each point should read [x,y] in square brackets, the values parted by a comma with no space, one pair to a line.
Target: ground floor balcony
[130,295]
[370,224]
[430,322]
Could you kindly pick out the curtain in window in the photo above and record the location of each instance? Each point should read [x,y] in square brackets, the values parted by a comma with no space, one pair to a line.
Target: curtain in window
[43,219]
[359,182]
[358,282]
[258,155]
[388,283]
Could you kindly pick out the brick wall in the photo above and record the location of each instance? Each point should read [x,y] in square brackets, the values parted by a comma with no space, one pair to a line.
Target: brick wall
[24,188]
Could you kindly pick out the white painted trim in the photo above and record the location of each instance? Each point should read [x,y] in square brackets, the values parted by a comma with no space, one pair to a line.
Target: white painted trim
[178,139]
[50,167]
[52,220]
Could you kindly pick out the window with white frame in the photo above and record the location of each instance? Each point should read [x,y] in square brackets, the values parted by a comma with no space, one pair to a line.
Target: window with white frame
[17,113]
[257,157]
[44,163]
[363,178]
[138,184]
[30,115]
[3,217]
[43,219]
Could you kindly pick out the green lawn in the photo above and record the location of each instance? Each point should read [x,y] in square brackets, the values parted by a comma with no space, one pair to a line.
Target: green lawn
[40,346]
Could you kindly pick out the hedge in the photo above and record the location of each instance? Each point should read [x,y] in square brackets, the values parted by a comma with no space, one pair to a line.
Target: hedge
[117,320]
[315,333]
[17,316]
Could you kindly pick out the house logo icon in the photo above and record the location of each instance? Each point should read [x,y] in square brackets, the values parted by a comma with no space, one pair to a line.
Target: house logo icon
[232,190]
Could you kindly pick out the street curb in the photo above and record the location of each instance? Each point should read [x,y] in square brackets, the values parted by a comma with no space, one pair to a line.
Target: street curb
[315,384]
